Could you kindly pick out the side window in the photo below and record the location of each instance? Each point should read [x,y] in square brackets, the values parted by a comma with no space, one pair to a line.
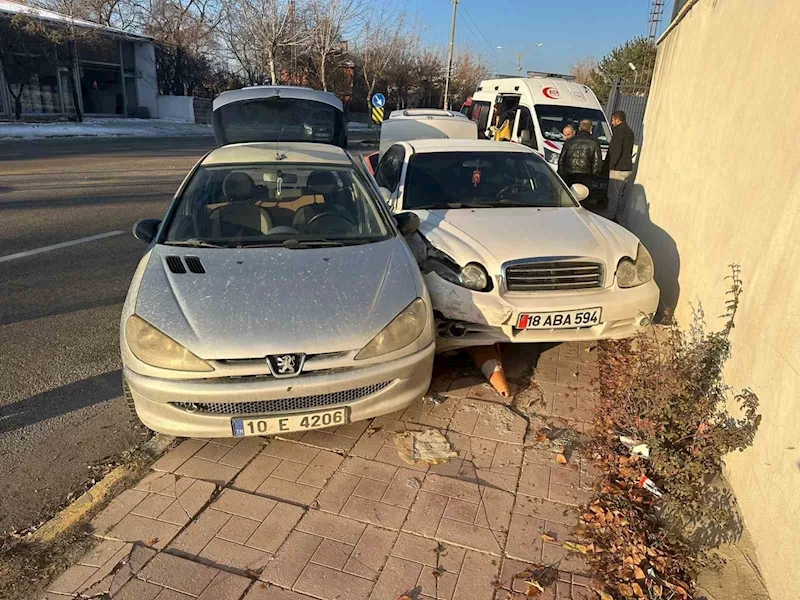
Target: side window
[388,173]
[480,114]
[526,124]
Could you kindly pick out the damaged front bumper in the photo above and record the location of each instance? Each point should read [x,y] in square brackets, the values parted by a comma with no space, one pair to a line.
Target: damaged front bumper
[466,318]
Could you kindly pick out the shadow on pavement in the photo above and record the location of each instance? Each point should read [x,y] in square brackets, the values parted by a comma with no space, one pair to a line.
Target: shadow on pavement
[61,400]
[10,319]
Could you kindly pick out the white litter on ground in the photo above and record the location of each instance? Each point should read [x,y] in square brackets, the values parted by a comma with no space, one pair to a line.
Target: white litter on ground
[428,446]
[103,127]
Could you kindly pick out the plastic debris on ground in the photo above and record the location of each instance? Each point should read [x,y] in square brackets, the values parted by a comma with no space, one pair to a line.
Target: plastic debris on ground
[635,446]
[428,446]
[647,483]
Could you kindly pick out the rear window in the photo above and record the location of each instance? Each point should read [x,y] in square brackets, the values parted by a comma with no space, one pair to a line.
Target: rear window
[443,180]
[284,119]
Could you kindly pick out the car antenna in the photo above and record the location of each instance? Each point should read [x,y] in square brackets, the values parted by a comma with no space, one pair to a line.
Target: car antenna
[278,155]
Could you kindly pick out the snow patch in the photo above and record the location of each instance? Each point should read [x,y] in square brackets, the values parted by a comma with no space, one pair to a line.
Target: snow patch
[103,127]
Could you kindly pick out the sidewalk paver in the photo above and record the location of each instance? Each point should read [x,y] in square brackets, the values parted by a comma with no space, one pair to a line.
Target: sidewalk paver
[337,514]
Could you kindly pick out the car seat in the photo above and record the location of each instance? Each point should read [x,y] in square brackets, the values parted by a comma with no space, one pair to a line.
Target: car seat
[240,215]
[320,183]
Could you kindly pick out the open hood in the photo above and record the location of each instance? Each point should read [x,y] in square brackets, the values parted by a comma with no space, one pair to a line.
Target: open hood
[278,113]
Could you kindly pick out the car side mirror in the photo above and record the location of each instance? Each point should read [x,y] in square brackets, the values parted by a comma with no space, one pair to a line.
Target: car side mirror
[386,193]
[146,230]
[580,191]
[407,222]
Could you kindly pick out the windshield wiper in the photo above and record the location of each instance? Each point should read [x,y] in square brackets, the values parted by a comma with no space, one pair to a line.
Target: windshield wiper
[195,243]
[320,243]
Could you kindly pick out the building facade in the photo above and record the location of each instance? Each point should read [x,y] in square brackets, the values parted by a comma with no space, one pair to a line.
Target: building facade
[113,74]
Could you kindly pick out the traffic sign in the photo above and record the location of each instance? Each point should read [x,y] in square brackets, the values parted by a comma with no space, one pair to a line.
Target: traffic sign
[377,115]
[378,100]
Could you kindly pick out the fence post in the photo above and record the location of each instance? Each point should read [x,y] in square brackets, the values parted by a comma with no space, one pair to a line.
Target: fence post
[611,106]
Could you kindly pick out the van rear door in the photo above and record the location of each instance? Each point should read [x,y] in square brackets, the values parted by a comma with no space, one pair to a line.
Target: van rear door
[278,113]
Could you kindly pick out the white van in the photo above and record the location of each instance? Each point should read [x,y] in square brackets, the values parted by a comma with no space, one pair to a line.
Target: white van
[421,124]
[544,104]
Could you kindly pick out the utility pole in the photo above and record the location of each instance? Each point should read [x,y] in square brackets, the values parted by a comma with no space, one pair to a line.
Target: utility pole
[450,58]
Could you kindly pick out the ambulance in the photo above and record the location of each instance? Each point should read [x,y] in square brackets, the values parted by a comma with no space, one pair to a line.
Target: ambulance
[544,103]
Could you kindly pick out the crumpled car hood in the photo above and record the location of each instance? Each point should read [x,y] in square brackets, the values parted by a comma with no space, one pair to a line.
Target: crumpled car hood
[494,236]
[255,302]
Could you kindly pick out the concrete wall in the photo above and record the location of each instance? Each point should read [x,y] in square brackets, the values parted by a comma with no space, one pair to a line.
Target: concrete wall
[176,108]
[146,79]
[718,182]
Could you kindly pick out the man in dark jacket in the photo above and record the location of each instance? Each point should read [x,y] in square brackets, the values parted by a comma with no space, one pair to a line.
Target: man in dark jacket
[620,164]
[581,157]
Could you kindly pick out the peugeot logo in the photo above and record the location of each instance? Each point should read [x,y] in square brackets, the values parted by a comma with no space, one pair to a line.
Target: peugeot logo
[286,365]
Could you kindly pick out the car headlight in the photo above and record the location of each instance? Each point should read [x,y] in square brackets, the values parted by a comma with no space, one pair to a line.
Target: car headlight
[632,273]
[157,349]
[474,277]
[404,329]
[550,156]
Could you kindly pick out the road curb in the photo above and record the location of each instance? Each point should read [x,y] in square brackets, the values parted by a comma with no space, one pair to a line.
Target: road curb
[95,495]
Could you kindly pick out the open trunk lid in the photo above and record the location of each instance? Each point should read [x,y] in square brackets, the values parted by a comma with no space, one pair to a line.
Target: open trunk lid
[278,113]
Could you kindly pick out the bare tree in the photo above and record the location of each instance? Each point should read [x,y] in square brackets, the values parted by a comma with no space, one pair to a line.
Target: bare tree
[384,33]
[469,69]
[185,34]
[259,32]
[329,22]
[584,70]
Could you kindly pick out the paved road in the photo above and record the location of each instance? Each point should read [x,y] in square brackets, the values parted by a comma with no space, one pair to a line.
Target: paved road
[61,410]
[60,405]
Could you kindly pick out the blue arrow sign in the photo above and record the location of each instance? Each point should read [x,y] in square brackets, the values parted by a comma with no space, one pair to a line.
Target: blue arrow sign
[378,100]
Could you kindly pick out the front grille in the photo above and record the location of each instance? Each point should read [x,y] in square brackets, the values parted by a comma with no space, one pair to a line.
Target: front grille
[537,276]
[263,407]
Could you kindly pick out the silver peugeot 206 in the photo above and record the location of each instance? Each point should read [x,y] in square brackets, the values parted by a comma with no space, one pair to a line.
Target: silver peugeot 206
[278,293]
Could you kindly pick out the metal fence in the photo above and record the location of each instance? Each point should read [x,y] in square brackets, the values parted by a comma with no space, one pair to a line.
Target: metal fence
[632,99]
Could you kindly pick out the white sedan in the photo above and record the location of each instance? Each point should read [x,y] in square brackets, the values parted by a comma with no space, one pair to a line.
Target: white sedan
[507,251]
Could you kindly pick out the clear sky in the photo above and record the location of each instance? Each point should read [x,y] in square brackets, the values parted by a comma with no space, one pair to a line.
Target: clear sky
[569,29]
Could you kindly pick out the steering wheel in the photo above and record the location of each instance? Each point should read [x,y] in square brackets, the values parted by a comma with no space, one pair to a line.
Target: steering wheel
[519,187]
[333,217]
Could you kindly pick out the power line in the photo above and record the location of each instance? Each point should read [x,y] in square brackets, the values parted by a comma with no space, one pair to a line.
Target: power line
[488,43]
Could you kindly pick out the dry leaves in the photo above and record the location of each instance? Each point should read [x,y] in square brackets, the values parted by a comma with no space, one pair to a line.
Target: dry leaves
[561,459]
[534,589]
[604,595]
[573,547]
[548,538]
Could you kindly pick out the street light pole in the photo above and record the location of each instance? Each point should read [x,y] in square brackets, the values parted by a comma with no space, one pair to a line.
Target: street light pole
[521,54]
[450,58]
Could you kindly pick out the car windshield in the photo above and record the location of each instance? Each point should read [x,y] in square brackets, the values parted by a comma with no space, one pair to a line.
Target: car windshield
[274,205]
[553,119]
[482,180]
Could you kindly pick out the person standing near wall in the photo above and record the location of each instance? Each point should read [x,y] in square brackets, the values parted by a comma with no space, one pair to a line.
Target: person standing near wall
[620,164]
[581,158]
